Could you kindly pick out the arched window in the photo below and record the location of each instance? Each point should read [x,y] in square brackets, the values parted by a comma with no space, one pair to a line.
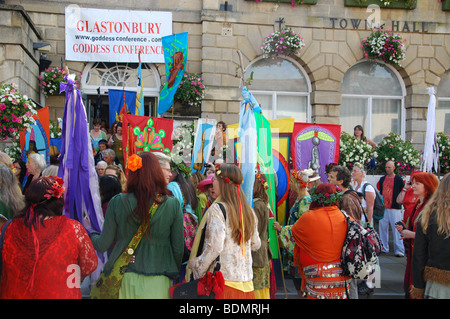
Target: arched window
[281,87]
[443,104]
[106,75]
[373,96]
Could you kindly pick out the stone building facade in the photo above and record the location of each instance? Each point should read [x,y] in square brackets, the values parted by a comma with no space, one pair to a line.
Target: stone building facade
[332,29]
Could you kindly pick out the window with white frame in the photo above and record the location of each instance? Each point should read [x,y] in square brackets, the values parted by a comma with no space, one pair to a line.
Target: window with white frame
[373,96]
[106,75]
[281,87]
[443,104]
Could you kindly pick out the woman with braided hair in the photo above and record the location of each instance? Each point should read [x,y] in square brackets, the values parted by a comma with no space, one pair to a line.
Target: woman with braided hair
[231,235]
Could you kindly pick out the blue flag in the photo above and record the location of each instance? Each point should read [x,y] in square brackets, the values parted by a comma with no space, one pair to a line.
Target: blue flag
[175,56]
[118,100]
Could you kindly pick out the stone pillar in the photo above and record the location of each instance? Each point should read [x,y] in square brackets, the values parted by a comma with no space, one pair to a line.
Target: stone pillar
[19,62]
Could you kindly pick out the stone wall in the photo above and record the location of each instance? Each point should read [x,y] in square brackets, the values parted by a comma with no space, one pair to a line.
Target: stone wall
[19,62]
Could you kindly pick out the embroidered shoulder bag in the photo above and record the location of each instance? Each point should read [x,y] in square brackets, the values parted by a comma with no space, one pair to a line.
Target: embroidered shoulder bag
[107,286]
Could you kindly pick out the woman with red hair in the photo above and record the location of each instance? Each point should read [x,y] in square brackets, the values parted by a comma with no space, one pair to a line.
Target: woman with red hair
[319,236]
[157,259]
[407,198]
[423,185]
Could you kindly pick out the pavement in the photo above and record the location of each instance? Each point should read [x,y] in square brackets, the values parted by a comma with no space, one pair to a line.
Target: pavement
[388,280]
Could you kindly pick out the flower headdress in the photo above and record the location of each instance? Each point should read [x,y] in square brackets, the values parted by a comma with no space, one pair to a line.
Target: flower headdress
[56,190]
[181,168]
[297,175]
[134,162]
[262,181]
[225,179]
[327,198]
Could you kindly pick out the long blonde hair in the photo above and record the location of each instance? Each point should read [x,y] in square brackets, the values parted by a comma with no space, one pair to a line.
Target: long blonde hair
[120,175]
[439,203]
[233,196]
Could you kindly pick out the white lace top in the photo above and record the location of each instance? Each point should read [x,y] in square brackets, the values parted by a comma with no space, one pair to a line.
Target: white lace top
[234,265]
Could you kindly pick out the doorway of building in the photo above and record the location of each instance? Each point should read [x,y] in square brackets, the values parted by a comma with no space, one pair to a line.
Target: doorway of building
[98,106]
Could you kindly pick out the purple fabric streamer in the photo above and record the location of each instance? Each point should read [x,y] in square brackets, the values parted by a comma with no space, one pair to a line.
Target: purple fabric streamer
[74,160]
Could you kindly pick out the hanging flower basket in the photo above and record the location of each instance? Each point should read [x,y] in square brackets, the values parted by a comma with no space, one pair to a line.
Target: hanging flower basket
[384,46]
[51,78]
[16,112]
[191,90]
[284,42]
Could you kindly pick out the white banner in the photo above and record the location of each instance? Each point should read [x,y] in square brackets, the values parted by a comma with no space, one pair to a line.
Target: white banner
[97,35]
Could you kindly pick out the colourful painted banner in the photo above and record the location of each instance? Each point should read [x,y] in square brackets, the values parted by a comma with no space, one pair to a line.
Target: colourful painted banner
[281,143]
[175,57]
[38,139]
[315,146]
[145,134]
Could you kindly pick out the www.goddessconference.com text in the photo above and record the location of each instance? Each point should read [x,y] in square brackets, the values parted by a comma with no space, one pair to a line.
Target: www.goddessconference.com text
[225,309]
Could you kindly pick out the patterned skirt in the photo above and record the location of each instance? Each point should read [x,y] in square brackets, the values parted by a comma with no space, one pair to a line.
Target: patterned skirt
[325,281]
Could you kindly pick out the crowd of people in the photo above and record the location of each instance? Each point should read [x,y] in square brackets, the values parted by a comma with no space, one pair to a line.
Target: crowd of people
[183,223]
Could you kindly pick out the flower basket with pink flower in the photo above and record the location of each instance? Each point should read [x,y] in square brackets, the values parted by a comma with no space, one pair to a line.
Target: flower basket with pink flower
[384,46]
[284,42]
[16,112]
[51,78]
[191,90]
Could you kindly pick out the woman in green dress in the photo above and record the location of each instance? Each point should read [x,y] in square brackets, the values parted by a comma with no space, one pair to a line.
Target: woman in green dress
[157,259]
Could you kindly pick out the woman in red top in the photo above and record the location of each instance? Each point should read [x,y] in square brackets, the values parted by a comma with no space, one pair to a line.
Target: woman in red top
[424,185]
[407,198]
[45,254]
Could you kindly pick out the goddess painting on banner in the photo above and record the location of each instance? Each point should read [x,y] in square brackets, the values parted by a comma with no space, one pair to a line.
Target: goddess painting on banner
[314,146]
